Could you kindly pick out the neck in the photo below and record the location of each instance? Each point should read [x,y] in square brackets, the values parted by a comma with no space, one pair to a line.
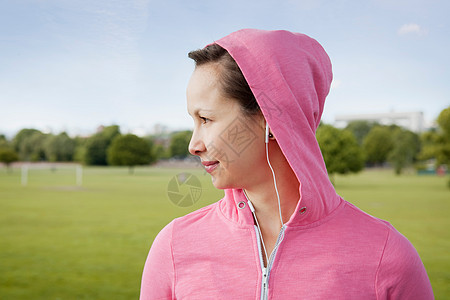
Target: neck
[264,198]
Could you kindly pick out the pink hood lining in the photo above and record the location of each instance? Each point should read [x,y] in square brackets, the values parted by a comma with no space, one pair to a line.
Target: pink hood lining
[290,76]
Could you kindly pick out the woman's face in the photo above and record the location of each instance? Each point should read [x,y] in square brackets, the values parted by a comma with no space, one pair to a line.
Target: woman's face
[229,144]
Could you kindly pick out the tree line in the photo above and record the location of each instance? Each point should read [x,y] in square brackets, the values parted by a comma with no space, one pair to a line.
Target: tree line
[346,150]
[369,144]
[106,147]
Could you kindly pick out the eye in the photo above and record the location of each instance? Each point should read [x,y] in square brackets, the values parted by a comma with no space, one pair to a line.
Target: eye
[204,120]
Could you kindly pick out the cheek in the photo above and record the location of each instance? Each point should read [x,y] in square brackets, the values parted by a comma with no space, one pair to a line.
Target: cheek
[254,156]
[240,138]
[257,153]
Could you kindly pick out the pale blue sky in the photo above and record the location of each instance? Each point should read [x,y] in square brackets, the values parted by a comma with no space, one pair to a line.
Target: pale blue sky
[76,64]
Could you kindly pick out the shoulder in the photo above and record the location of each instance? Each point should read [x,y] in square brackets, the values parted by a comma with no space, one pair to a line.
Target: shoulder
[394,245]
[195,218]
[363,227]
[392,238]
[400,272]
[362,216]
[190,224]
[197,215]
[160,269]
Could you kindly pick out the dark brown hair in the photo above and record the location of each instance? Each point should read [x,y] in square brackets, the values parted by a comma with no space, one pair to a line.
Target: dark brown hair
[231,78]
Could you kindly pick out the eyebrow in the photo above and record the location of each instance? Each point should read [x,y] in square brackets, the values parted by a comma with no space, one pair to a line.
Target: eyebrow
[197,110]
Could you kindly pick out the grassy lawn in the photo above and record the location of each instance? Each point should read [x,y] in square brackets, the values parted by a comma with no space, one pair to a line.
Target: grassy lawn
[60,241]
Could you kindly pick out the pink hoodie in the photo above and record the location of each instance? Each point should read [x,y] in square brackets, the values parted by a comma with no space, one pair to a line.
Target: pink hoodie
[329,249]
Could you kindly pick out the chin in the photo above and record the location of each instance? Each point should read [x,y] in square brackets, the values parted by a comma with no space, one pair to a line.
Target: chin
[221,183]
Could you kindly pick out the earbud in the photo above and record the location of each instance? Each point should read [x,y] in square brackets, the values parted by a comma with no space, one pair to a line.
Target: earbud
[268,134]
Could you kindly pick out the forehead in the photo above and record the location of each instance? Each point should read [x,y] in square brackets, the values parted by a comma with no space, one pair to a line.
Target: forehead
[204,76]
[204,91]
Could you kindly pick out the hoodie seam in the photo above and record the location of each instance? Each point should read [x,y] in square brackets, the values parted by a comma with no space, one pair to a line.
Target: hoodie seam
[379,263]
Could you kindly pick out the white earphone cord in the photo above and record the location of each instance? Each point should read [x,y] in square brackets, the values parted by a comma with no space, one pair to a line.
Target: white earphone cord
[276,190]
[275,183]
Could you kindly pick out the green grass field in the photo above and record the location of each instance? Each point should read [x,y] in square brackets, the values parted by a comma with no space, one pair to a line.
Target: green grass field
[60,241]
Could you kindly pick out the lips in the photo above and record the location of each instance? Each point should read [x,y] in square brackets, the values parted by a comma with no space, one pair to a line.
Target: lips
[210,165]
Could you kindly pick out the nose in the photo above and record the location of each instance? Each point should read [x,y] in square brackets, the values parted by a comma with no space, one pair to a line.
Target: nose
[196,145]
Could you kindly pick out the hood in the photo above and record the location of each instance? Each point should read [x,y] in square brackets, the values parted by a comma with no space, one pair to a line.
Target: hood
[290,76]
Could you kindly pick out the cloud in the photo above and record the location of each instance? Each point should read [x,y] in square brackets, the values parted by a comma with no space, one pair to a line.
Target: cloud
[411,29]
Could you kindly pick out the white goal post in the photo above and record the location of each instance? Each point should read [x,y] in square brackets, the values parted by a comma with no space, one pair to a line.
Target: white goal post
[24,177]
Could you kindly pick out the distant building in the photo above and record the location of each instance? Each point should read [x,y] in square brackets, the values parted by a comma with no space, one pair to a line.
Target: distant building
[100,129]
[413,121]
[160,129]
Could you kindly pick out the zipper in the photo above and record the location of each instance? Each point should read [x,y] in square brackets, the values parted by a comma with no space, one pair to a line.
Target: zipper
[266,271]
[264,284]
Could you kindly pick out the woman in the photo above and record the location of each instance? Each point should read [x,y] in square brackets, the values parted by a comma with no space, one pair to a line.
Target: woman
[281,231]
